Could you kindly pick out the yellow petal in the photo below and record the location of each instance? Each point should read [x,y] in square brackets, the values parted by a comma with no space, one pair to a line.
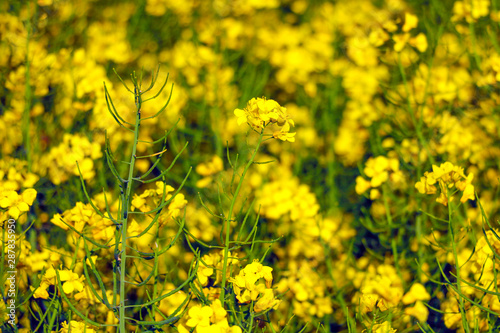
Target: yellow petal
[14,212]
[68,287]
[29,196]
[411,21]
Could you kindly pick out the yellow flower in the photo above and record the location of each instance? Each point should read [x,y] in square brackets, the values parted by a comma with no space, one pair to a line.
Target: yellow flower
[247,286]
[72,281]
[204,273]
[447,176]
[468,193]
[75,327]
[424,187]
[207,170]
[242,116]
[210,168]
[199,316]
[419,311]
[362,185]
[400,41]
[17,204]
[411,22]
[41,291]
[245,291]
[284,134]
[385,327]
[374,194]
[266,301]
[467,188]
[378,37]
[261,112]
[368,302]
[208,329]
[471,10]
[87,295]
[255,271]
[419,42]
[380,169]
[219,313]
[417,292]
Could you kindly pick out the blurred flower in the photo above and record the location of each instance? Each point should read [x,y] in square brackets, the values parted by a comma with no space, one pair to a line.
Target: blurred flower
[417,292]
[411,22]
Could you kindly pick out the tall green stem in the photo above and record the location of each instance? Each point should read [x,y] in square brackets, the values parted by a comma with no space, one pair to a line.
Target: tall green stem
[125,208]
[457,266]
[229,218]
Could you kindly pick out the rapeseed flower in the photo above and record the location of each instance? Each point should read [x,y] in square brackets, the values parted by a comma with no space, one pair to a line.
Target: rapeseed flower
[199,316]
[417,292]
[261,112]
[384,327]
[75,327]
[248,287]
[211,267]
[470,10]
[447,176]
[379,170]
[419,311]
[209,319]
[208,170]
[17,204]
[411,22]
[71,281]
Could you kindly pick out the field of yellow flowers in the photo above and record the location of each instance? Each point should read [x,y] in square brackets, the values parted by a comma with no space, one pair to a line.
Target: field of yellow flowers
[250,166]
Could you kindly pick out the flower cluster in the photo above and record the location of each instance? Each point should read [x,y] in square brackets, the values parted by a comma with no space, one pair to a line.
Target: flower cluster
[248,286]
[380,170]
[416,296]
[307,290]
[70,281]
[384,327]
[61,162]
[400,40]
[379,92]
[16,203]
[208,319]
[447,176]
[470,10]
[78,217]
[381,288]
[478,269]
[208,170]
[151,198]
[261,112]
[210,269]
[76,327]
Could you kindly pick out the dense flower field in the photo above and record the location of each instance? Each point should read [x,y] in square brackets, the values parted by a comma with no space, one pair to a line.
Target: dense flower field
[250,166]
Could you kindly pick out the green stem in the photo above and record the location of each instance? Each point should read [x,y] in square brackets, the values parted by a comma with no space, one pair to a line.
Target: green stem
[125,209]
[472,31]
[393,239]
[229,218]
[457,265]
